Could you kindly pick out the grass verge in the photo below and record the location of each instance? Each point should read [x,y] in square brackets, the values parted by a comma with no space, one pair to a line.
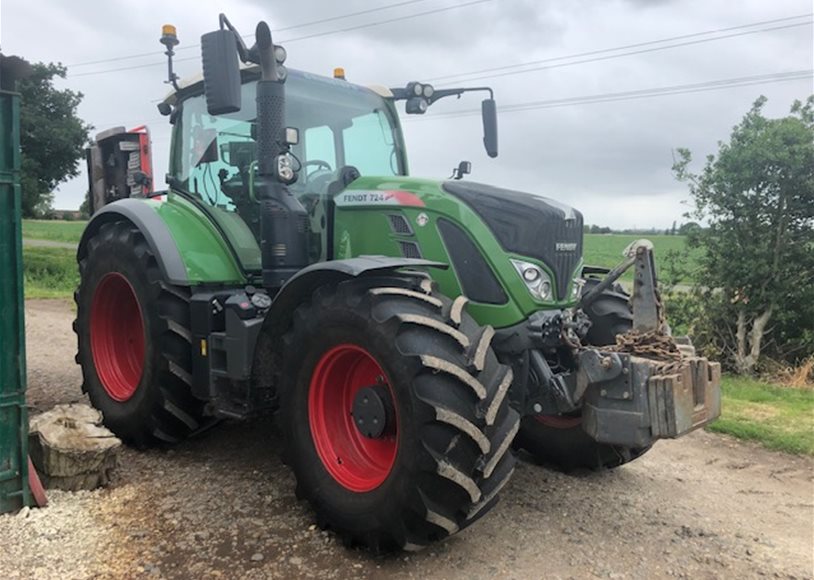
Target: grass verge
[49,272]
[54,230]
[780,418]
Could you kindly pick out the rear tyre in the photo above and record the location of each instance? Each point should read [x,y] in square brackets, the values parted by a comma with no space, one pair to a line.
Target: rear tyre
[443,453]
[560,441]
[134,340]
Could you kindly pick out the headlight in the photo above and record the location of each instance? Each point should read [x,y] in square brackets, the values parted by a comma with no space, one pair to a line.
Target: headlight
[535,279]
[285,169]
[576,288]
[416,106]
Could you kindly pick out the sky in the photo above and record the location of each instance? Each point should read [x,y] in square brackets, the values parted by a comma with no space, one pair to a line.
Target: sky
[610,159]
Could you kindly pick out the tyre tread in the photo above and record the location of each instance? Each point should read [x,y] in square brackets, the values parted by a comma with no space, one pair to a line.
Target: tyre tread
[466,419]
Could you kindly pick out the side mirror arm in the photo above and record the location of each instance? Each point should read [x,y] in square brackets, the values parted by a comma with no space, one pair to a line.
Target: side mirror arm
[242,51]
[420,96]
[408,92]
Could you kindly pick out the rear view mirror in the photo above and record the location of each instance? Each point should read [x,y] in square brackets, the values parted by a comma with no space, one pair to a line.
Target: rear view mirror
[221,71]
[489,113]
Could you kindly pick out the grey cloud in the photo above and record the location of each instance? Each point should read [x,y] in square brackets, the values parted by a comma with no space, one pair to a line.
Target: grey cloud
[612,160]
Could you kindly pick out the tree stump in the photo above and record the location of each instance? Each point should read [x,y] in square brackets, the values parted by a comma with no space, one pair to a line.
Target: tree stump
[71,449]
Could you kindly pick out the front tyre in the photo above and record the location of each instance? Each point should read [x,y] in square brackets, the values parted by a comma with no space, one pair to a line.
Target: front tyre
[562,443]
[397,423]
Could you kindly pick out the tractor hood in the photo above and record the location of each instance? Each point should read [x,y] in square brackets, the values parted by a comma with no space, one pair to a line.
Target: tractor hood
[528,225]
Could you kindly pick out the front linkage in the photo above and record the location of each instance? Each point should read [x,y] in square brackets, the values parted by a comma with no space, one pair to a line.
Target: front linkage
[646,386]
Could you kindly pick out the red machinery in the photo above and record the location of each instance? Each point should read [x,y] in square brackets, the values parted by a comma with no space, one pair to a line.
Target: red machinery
[121,163]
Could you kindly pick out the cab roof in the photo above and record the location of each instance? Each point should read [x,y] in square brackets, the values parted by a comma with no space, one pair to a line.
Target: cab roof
[194,84]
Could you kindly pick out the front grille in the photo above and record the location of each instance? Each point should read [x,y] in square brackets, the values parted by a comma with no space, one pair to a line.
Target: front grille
[410,250]
[528,225]
[564,262]
[400,225]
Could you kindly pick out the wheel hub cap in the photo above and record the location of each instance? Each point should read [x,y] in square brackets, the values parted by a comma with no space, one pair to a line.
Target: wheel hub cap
[358,457]
[372,408]
[117,336]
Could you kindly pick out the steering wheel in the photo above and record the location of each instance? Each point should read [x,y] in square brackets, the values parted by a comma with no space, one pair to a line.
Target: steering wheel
[320,164]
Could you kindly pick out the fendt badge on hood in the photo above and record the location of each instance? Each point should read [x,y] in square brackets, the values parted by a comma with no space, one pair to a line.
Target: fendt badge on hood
[566,246]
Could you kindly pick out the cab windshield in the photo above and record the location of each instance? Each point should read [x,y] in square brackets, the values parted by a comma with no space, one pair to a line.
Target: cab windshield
[340,125]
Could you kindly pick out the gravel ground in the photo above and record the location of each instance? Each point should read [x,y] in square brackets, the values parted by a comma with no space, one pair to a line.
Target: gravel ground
[223,505]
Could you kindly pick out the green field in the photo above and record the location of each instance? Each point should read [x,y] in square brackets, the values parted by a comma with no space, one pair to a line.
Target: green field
[54,230]
[600,249]
[49,272]
[606,249]
[778,417]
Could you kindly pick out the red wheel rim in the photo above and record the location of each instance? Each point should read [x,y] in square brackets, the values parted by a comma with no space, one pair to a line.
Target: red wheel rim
[558,422]
[117,336]
[356,462]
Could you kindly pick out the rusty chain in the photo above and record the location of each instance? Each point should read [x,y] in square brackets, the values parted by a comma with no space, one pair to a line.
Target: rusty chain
[655,346]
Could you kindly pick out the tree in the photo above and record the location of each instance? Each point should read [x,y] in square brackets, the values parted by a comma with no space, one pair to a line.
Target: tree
[688,228]
[757,197]
[84,208]
[52,136]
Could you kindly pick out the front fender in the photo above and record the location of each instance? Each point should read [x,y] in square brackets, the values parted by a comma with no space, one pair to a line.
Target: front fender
[304,282]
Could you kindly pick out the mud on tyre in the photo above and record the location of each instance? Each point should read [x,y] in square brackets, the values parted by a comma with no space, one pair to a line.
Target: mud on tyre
[444,454]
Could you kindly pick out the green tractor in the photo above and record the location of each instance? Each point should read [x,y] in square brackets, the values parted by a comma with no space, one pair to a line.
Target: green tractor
[409,334]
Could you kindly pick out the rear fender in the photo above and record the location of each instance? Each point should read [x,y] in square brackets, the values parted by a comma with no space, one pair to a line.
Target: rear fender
[151,226]
[189,248]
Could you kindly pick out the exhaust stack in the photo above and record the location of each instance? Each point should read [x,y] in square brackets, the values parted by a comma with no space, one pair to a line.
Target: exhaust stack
[283,219]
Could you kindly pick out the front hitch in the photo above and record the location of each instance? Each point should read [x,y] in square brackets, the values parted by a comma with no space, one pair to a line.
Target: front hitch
[650,385]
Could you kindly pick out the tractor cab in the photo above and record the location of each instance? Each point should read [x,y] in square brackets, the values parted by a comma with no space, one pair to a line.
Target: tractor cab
[344,131]
[272,190]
